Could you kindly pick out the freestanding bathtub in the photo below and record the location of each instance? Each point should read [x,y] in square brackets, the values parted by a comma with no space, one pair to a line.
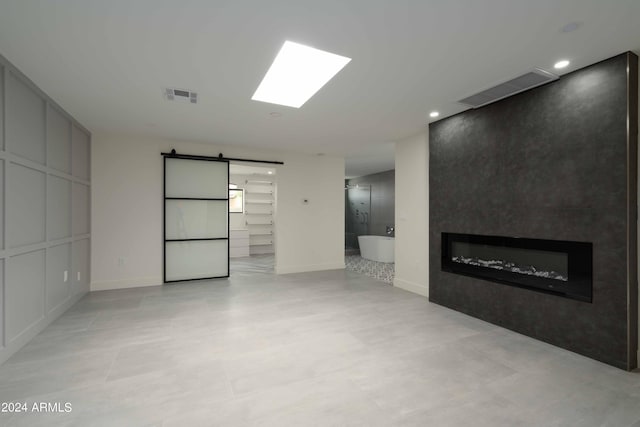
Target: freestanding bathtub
[377,248]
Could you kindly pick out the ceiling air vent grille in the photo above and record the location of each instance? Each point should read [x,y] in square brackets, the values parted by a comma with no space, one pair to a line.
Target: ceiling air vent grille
[184,95]
[527,81]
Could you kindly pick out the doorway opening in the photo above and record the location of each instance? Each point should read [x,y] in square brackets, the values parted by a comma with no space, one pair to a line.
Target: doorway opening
[252,213]
[357,214]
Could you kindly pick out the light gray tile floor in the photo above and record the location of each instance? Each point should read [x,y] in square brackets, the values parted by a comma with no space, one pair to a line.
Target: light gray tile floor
[331,348]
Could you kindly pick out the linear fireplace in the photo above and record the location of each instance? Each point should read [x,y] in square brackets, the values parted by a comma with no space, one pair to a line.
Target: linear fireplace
[552,266]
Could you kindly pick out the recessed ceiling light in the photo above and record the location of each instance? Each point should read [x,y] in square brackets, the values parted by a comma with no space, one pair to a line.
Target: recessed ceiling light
[270,173]
[561,64]
[434,114]
[297,73]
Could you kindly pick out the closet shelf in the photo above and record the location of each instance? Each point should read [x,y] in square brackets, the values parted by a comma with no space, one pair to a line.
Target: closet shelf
[260,205]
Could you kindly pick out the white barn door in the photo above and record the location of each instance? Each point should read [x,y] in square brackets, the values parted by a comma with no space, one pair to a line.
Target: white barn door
[196,218]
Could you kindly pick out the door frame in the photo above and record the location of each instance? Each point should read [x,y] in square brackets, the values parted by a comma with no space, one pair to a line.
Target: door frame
[219,158]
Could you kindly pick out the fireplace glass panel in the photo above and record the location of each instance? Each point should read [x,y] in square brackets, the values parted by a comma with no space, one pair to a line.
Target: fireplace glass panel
[559,267]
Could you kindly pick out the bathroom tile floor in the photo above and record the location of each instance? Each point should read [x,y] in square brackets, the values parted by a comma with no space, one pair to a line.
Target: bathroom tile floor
[383,271]
[332,348]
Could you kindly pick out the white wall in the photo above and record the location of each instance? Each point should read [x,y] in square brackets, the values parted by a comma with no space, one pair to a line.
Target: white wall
[310,236]
[127,208]
[412,214]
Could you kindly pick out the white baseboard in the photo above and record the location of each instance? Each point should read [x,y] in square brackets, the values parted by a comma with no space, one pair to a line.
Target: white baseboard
[416,288]
[307,268]
[18,342]
[137,282]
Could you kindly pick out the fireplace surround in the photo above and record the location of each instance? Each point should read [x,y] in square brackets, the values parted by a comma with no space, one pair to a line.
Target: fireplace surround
[558,162]
[557,267]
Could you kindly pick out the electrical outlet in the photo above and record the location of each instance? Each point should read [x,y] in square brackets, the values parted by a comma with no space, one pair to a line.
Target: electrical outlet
[66,276]
[78,276]
[121,262]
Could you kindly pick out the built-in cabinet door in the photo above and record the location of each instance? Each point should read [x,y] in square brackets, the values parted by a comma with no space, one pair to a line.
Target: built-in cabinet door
[80,211]
[80,215]
[25,121]
[2,315]
[2,71]
[58,141]
[80,158]
[26,209]
[45,198]
[58,275]
[2,166]
[24,292]
[80,279]
[58,208]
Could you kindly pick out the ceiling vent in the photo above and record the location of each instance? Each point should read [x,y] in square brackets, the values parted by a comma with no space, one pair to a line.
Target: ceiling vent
[184,95]
[534,78]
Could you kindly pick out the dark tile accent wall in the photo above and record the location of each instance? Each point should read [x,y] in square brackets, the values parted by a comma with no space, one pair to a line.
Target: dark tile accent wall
[383,193]
[556,162]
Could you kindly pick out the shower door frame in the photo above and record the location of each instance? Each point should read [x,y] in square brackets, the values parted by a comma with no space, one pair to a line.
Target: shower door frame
[367,231]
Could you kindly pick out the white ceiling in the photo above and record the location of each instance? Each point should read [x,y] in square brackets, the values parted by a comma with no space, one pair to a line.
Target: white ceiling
[107,62]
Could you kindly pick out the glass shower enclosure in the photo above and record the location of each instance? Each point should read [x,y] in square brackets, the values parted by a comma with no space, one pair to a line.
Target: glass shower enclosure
[357,214]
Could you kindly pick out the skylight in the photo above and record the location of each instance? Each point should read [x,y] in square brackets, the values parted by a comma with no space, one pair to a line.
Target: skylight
[297,73]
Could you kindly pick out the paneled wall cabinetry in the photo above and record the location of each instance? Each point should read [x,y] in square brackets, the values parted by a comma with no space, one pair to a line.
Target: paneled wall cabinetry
[44,210]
